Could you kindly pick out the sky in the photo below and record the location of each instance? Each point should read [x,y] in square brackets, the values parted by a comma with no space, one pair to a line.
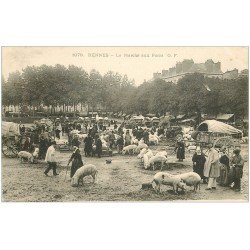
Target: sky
[138,63]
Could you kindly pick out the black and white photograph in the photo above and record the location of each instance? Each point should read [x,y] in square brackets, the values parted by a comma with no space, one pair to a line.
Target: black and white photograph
[133,124]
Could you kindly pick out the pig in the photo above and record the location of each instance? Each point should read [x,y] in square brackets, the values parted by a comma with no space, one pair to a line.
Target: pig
[153,139]
[86,170]
[191,148]
[164,178]
[26,155]
[162,153]
[191,179]
[129,149]
[142,152]
[134,141]
[155,159]
[146,157]
[140,146]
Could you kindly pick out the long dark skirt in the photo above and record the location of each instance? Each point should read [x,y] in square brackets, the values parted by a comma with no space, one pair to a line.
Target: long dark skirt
[199,169]
[76,163]
[223,180]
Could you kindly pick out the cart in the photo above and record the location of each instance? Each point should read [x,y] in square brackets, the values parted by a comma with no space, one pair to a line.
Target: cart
[11,139]
[218,134]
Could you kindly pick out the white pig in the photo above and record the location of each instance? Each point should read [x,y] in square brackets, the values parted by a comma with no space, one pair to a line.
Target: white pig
[164,178]
[26,155]
[191,179]
[86,170]
[129,149]
[155,159]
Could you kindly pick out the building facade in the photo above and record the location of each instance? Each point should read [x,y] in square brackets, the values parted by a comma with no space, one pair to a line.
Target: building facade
[188,66]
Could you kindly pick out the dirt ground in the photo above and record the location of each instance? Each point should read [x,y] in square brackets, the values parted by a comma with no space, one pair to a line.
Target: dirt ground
[119,181]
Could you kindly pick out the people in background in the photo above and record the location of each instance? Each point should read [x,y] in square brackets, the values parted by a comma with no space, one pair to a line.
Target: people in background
[75,141]
[58,129]
[112,139]
[223,180]
[115,125]
[237,166]
[180,150]
[199,160]
[146,136]
[212,168]
[120,144]
[98,144]
[76,159]
[88,148]
[127,138]
[22,129]
[43,146]
[26,144]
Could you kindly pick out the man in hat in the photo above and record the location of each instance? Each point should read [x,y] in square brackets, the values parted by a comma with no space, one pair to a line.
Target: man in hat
[238,163]
[212,168]
[51,159]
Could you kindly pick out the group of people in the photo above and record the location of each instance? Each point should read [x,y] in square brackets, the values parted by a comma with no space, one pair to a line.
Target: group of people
[92,146]
[52,160]
[217,167]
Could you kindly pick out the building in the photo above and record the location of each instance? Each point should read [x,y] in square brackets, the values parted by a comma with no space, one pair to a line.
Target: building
[231,74]
[244,73]
[188,66]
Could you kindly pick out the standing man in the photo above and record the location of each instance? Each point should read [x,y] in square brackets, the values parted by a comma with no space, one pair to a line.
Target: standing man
[51,159]
[212,167]
[43,146]
[238,163]
[98,144]
[88,148]
[146,136]
[112,139]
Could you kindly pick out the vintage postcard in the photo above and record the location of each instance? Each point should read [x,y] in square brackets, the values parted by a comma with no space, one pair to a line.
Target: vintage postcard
[124,124]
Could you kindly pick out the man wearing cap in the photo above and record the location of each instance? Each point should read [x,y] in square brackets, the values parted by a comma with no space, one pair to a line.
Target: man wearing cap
[238,163]
[51,159]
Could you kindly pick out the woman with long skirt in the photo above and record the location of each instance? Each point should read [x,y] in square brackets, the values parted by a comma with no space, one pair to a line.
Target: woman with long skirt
[76,159]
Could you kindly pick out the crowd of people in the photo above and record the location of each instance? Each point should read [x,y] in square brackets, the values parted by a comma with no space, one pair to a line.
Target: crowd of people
[214,168]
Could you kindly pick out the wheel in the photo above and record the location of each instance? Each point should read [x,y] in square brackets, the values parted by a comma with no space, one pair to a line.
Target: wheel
[9,151]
